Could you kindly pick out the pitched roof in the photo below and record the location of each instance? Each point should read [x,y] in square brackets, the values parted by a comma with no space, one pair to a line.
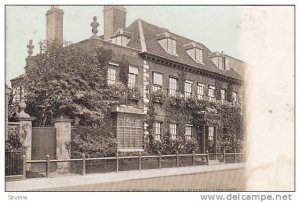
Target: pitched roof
[150,33]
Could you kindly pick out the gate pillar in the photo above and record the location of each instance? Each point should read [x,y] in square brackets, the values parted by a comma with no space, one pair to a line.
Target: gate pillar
[63,139]
[25,129]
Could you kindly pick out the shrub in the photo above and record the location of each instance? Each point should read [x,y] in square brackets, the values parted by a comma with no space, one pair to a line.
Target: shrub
[173,145]
[191,145]
[93,142]
[15,139]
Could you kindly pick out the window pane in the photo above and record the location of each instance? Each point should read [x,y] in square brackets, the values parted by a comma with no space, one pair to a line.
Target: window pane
[157,130]
[200,90]
[133,70]
[171,46]
[188,89]
[211,93]
[211,133]
[157,79]
[188,132]
[111,75]
[173,131]
[131,81]
[234,96]
[172,86]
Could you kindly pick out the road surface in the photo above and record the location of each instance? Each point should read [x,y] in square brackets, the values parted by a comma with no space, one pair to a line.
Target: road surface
[225,180]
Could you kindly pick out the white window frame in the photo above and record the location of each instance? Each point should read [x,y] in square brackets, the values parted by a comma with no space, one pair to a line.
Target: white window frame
[157,86]
[173,131]
[111,75]
[157,135]
[211,133]
[169,45]
[223,95]
[132,77]
[188,90]
[200,90]
[212,93]
[120,40]
[172,86]
[234,97]
[188,132]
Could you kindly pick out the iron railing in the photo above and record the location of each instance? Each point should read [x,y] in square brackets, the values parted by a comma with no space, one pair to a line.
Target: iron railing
[142,162]
[15,164]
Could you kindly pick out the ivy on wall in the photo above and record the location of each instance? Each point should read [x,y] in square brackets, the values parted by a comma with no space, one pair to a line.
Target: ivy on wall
[182,110]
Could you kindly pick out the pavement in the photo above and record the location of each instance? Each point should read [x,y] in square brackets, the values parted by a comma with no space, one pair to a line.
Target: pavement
[48,183]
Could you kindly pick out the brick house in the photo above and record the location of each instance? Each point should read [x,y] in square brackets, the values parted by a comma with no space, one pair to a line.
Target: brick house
[157,60]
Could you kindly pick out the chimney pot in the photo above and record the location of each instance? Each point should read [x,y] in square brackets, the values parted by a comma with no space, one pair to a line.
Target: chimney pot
[114,19]
[54,19]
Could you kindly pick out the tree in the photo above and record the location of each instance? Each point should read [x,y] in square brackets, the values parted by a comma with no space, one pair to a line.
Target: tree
[72,81]
[68,81]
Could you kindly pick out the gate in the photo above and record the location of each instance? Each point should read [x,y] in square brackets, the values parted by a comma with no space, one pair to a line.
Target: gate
[43,143]
[14,165]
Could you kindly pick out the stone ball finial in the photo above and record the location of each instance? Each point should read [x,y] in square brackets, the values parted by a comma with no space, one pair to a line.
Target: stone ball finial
[22,107]
[30,47]
[94,26]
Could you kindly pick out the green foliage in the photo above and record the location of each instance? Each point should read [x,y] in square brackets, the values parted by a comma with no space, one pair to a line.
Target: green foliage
[15,139]
[93,142]
[167,145]
[159,96]
[186,110]
[70,81]
[124,70]
[191,145]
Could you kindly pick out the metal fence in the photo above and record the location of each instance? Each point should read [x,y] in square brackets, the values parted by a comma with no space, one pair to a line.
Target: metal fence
[122,163]
[15,164]
[234,157]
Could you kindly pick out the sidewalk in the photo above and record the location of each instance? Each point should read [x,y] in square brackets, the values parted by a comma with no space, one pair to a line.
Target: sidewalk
[45,183]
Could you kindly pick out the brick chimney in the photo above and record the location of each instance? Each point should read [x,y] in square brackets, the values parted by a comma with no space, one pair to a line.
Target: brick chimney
[54,18]
[114,18]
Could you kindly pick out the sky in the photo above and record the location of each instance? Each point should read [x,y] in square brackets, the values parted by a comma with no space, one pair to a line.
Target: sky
[217,27]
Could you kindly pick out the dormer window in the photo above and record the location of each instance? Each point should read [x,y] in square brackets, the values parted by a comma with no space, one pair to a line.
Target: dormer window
[221,60]
[167,42]
[121,38]
[194,51]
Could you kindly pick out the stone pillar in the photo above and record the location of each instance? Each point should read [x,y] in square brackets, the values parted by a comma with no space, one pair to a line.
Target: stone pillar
[63,138]
[146,94]
[25,129]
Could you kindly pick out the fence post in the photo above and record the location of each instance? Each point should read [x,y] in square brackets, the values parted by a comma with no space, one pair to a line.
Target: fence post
[193,158]
[234,156]
[159,160]
[207,157]
[140,161]
[177,159]
[47,165]
[224,156]
[24,166]
[117,161]
[83,164]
